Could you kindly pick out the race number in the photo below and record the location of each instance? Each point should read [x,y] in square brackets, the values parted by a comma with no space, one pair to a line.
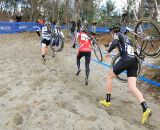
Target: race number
[84,37]
[129,50]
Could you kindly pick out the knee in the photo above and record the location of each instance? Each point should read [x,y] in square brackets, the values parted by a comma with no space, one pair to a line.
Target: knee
[132,88]
[110,74]
[109,77]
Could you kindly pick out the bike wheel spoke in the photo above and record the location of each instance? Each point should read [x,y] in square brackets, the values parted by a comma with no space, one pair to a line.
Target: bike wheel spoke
[148,33]
[97,51]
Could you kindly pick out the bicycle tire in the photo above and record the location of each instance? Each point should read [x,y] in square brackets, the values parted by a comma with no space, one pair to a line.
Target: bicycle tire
[123,77]
[97,51]
[151,45]
[60,46]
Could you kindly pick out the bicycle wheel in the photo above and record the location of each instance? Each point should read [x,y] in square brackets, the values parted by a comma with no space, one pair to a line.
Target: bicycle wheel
[148,37]
[97,51]
[123,76]
[59,46]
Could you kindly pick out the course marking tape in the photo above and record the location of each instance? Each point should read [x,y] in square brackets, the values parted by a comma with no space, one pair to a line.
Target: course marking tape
[140,78]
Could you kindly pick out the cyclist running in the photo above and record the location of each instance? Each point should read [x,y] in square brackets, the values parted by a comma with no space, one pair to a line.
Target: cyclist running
[45,39]
[84,50]
[127,62]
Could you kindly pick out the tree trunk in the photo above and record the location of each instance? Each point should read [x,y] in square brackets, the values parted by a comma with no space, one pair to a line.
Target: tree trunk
[76,10]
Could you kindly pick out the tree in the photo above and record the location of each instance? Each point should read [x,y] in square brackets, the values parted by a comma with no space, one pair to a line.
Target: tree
[110,7]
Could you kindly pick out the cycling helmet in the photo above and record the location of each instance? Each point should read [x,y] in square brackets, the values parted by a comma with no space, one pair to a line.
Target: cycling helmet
[115,27]
[41,21]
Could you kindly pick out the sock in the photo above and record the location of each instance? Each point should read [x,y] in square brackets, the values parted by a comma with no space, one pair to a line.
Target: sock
[43,56]
[144,106]
[108,97]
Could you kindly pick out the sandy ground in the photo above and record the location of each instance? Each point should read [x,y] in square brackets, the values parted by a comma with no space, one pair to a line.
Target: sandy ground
[37,96]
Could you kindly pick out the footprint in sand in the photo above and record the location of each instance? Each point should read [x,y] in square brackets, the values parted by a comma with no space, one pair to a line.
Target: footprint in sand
[67,106]
[17,119]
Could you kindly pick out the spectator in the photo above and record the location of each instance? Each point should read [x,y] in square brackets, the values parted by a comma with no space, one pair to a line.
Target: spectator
[18,18]
[94,23]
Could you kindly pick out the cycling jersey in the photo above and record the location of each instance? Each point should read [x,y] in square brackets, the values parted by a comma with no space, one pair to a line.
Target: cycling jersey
[128,60]
[84,42]
[46,34]
[123,43]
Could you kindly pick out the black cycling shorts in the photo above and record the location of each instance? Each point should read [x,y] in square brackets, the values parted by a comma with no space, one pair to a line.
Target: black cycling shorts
[126,63]
[86,54]
[45,41]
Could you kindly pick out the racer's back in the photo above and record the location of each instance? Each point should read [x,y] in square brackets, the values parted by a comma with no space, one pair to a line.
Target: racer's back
[46,33]
[124,44]
[85,42]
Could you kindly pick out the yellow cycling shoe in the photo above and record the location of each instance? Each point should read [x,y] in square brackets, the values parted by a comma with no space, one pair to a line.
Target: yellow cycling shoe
[104,103]
[146,115]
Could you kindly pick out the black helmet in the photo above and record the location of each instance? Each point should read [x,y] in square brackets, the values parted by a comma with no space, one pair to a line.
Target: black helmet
[115,27]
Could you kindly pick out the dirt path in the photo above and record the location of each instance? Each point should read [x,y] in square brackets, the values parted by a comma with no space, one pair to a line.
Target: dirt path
[37,96]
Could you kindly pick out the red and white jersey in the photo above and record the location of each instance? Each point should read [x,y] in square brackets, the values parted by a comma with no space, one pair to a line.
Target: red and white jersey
[84,42]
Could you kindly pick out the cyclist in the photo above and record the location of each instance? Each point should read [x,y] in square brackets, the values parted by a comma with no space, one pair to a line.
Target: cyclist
[45,39]
[73,31]
[127,62]
[84,50]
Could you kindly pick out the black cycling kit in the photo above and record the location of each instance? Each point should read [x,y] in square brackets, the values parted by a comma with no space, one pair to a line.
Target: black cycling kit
[128,59]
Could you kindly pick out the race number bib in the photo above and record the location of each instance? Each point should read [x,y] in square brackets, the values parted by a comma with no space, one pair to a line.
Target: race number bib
[129,50]
[84,37]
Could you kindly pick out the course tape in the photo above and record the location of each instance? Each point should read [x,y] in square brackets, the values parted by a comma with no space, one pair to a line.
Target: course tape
[151,65]
[145,63]
[140,78]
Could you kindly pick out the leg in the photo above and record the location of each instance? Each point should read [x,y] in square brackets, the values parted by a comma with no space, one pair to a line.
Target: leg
[73,40]
[43,50]
[46,50]
[112,73]
[110,77]
[135,91]
[79,56]
[87,62]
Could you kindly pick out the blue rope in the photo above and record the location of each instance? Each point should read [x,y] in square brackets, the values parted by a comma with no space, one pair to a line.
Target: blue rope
[140,78]
[145,63]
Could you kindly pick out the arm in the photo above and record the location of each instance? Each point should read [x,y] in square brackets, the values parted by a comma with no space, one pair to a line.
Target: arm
[113,45]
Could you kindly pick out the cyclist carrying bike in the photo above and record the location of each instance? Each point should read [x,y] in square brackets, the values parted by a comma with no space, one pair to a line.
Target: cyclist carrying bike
[84,50]
[45,39]
[127,62]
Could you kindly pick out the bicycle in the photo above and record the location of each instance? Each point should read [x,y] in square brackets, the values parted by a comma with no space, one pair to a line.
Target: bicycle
[141,42]
[56,38]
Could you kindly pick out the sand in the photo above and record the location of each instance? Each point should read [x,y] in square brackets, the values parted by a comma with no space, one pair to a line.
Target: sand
[37,96]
